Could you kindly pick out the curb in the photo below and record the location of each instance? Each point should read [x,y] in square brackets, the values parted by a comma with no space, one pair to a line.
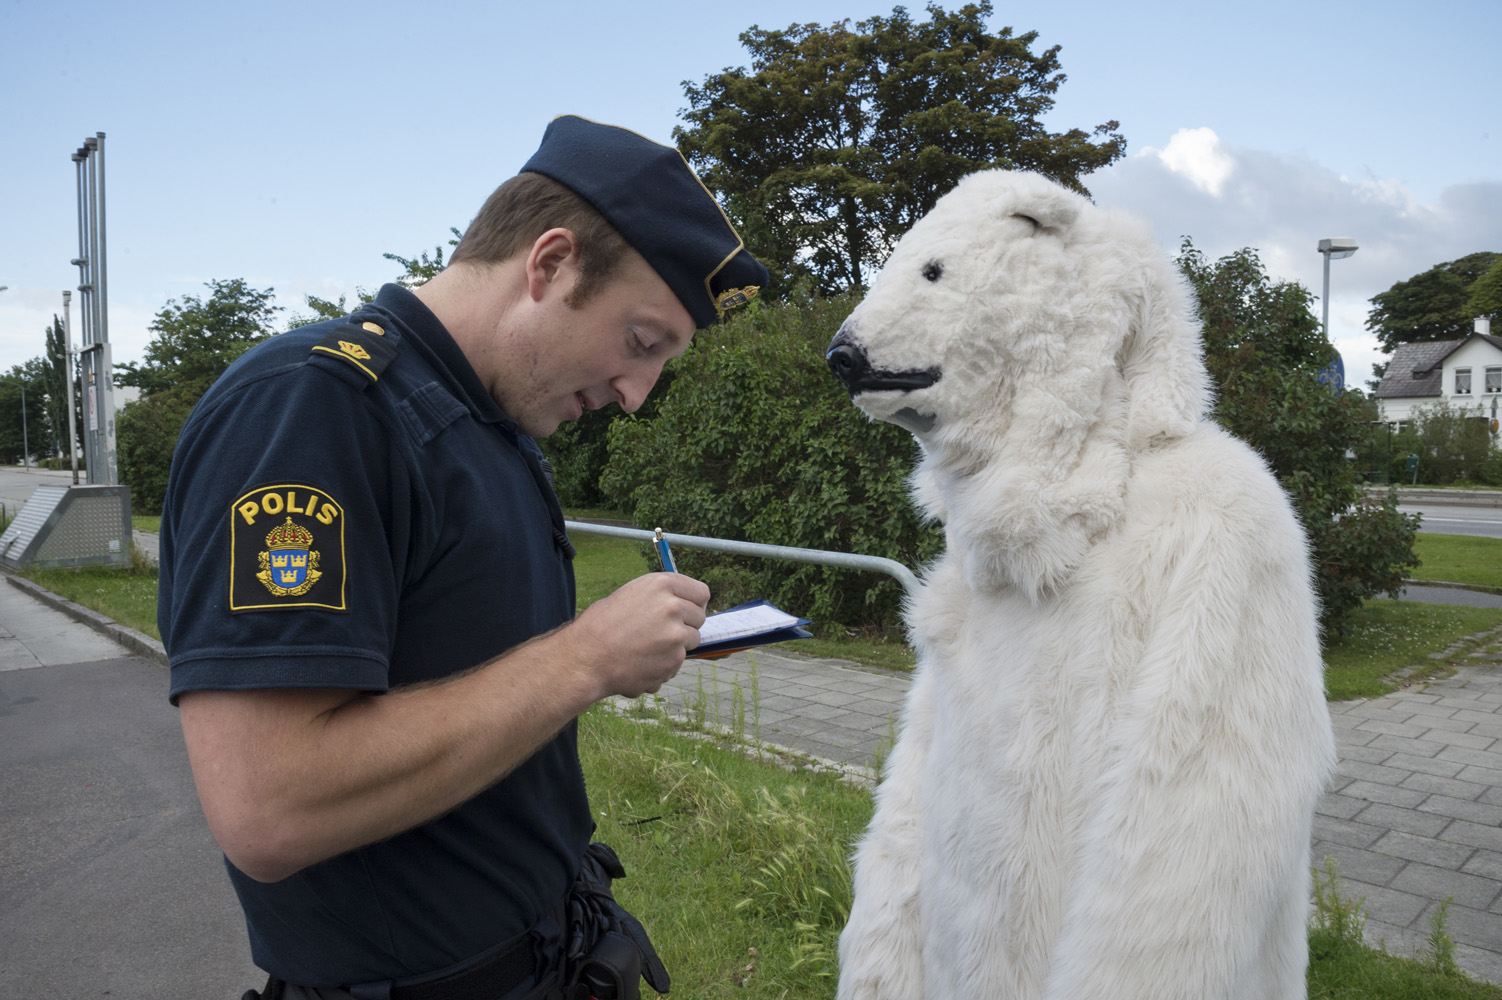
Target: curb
[1473,587]
[1441,497]
[138,643]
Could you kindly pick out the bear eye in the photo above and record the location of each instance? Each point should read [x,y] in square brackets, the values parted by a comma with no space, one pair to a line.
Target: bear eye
[932,270]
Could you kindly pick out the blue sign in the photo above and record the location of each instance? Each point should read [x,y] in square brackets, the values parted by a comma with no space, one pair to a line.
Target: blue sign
[1333,375]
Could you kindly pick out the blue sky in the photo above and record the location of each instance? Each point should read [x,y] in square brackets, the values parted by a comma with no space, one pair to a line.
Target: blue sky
[291,144]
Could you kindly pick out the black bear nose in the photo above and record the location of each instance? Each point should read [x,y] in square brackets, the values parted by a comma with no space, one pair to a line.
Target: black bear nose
[848,362]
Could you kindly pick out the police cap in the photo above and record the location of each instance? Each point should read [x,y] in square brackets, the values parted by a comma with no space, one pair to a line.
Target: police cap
[648,192]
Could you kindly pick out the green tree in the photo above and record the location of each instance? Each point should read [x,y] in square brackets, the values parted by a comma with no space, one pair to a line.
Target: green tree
[1430,306]
[836,141]
[1485,296]
[1265,351]
[419,269]
[59,371]
[196,339]
[146,432]
[415,271]
[23,413]
[322,309]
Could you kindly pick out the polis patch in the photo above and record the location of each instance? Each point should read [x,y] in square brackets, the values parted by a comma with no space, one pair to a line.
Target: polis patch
[286,550]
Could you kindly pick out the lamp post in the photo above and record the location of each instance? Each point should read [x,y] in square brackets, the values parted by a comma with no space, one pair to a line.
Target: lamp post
[1337,248]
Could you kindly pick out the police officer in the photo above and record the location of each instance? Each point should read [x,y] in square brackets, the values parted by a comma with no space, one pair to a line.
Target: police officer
[367,595]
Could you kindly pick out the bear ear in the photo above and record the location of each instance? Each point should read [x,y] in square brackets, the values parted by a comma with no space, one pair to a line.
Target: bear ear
[1048,206]
[1168,390]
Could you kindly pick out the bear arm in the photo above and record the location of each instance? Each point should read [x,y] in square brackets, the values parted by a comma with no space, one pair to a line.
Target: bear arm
[881,948]
[1194,875]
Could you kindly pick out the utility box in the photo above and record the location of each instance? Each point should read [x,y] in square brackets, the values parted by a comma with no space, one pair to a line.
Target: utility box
[70,526]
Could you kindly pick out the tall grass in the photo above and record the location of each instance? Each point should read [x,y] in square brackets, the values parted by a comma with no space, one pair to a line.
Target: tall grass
[737,868]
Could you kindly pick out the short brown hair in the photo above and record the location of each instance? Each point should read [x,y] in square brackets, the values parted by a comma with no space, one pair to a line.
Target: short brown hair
[524,208]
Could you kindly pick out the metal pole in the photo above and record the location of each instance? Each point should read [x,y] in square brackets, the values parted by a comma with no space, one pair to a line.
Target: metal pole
[107,378]
[85,308]
[102,274]
[68,369]
[97,471]
[1325,299]
[25,441]
[845,560]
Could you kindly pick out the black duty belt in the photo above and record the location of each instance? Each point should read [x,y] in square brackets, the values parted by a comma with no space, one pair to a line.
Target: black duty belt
[485,977]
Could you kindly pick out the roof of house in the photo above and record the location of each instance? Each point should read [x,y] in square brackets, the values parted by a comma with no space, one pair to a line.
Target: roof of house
[1417,369]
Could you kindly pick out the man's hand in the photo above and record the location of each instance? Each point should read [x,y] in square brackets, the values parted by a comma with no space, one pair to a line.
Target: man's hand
[635,640]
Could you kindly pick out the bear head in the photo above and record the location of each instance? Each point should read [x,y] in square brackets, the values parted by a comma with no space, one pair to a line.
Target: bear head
[1033,344]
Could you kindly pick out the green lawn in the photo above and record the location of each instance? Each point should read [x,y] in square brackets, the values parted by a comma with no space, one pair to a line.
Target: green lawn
[737,868]
[1387,636]
[1467,559]
[127,596]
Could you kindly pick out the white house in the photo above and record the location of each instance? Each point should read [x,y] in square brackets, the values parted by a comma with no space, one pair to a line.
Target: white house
[1464,373]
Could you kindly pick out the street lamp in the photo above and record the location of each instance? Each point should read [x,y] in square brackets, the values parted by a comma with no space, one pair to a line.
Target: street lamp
[1338,248]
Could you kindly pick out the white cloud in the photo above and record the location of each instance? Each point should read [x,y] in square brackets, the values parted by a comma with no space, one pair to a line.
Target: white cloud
[1196,153]
[1284,205]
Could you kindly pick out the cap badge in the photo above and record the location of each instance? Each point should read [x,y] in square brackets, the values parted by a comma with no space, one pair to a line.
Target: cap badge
[733,297]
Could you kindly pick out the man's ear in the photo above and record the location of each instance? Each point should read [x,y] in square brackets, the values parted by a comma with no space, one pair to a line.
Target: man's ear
[551,263]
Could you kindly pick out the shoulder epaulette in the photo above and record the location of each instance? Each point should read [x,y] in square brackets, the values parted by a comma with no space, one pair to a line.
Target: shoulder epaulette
[365,347]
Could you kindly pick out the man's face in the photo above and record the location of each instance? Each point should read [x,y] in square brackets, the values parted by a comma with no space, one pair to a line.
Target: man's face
[610,349]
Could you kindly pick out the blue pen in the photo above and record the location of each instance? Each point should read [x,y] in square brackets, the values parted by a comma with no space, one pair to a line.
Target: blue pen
[664,553]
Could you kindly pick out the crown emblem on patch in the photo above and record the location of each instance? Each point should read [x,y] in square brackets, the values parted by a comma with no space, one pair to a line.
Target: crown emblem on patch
[354,350]
[288,564]
[732,297]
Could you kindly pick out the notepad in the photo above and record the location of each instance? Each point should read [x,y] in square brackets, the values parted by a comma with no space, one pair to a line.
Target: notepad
[747,626]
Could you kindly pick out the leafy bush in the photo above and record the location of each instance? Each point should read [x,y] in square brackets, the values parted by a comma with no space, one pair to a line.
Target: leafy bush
[146,433]
[1454,444]
[579,449]
[755,441]
[1361,554]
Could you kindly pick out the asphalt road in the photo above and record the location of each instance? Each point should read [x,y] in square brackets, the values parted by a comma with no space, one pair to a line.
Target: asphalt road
[16,484]
[1484,522]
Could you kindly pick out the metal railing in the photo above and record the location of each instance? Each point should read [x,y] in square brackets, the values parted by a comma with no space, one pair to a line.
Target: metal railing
[844,560]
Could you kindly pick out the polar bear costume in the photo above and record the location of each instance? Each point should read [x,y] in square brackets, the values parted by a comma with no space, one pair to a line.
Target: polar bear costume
[1117,733]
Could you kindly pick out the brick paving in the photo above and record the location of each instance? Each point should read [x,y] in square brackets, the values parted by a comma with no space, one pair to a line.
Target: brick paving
[1414,814]
[1412,817]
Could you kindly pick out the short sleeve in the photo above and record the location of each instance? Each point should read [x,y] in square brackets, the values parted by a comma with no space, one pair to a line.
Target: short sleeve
[284,537]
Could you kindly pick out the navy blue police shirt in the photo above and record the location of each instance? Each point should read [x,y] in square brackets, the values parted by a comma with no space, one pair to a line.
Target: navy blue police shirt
[349,508]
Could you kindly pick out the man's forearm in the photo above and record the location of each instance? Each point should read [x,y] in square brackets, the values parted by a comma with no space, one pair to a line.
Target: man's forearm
[288,778]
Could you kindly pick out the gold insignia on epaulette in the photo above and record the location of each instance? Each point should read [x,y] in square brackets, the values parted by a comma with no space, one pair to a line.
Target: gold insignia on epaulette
[373,329]
[299,562]
[354,350]
[730,298]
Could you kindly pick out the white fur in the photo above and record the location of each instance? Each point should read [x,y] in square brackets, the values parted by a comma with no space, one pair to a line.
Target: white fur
[1117,734]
